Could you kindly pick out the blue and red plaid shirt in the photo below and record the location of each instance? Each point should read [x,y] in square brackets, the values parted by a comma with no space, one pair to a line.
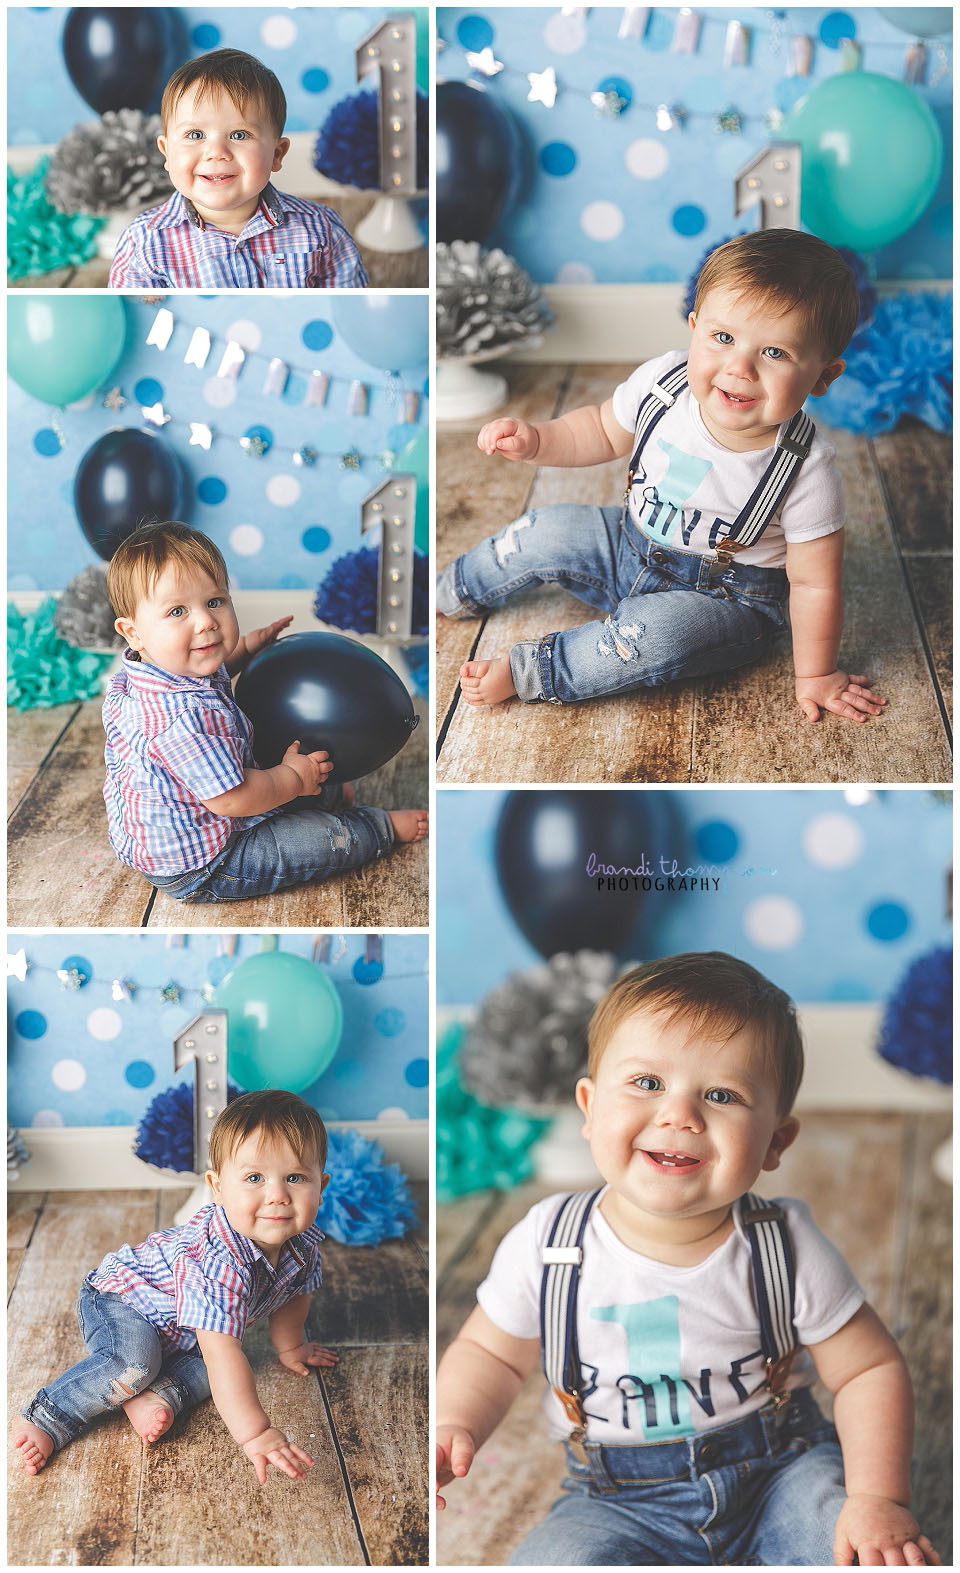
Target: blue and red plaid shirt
[205,1275]
[172,743]
[289,243]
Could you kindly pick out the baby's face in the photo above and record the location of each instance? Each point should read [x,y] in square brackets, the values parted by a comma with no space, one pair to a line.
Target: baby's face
[678,1126]
[187,625]
[267,1192]
[221,157]
[750,367]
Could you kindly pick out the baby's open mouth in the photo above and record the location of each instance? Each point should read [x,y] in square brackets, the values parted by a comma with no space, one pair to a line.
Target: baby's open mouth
[218,180]
[737,399]
[672,1160]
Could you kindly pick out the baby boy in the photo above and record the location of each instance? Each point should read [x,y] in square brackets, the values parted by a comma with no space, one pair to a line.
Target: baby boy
[163,1321]
[681,1319]
[186,804]
[226,226]
[732,506]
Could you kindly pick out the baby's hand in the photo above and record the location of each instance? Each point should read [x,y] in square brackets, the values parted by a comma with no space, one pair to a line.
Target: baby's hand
[312,769]
[272,1447]
[261,637]
[455,1452]
[847,696]
[511,438]
[880,1533]
[304,1356]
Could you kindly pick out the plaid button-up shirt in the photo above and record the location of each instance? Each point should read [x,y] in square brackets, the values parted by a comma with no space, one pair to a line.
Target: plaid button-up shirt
[205,1275]
[289,243]
[172,743]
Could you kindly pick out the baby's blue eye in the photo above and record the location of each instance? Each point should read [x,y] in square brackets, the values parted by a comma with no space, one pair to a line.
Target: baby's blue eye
[241,135]
[724,338]
[193,136]
[297,1178]
[642,1081]
[722,1095]
[215,601]
[176,611]
[774,353]
[254,1179]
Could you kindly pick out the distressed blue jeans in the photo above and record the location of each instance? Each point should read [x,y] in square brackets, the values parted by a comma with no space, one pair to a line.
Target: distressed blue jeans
[126,1357]
[765,1491]
[670,614]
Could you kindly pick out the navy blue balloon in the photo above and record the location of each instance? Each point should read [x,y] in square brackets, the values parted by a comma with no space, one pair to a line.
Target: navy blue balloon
[330,692]
[127,478]
[119,57]
[477,162]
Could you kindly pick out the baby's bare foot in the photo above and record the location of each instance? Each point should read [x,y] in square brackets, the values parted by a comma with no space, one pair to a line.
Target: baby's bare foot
[149,1415]
[409,824]
[487,682]
[35,1445]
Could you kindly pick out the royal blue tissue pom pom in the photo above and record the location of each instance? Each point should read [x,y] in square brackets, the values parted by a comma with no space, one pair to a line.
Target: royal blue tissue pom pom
[165,1134]
[348,145]
[901,363]
[366,1200]
[347,597]
[916,1033]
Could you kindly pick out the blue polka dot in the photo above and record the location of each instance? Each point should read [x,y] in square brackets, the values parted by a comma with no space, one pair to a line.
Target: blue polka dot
[474,32]
[390,1023]
[139,1074]
[888,921]
[558,158]
[82,965]
[316,539]
[148,390]
[717,841]
[205,35]
[317,334]
[264,433]
[47,442]
[618,85]
[688,220]
[30,1024]
[212,490]
[296,389]
[315,80]
[292,581]
[417,1073]
[836,26]
[367,971]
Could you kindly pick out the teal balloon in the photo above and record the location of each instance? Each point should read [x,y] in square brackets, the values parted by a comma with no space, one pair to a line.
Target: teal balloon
[423,48]
[389,331]
[416,459]
[920,21]
[872,157]
[284,1021]
[60,347]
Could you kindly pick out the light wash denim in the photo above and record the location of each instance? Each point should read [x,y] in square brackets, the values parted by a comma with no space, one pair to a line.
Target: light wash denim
[306,842]
[671,614]
[126,1356]
[765,1491]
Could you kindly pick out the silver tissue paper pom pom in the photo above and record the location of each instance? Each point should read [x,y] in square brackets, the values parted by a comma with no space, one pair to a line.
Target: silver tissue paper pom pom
[485,301]
[109,165]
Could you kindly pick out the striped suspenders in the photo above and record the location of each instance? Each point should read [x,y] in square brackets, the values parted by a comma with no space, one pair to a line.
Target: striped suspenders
[773,1279]
[771,489]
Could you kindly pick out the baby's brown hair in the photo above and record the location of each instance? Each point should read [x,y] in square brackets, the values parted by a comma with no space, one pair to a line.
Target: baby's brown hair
[788,269]
[276,1115]
[716,995]
[230,71]
[138,562]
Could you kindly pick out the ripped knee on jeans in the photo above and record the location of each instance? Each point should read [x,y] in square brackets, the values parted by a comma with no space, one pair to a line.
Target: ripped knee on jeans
[125,1386]
[340,838]
[620,639]
[506,544]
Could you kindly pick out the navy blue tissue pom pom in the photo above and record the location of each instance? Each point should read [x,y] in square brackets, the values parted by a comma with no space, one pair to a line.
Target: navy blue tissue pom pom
[366,1200]
[348,145]
[165,1134]
[347,597]
[917,1024]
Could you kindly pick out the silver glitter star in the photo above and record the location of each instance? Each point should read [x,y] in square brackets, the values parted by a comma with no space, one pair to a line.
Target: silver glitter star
[609,105]
[730,120]
[254,447]
[306,456]
[350,460]
[484,61]
[17,964]
[114,400]
[208,992]
[170,993]
[775,120]
[386,459]
[200,435]
[154,413]
[543,87]
[71,978]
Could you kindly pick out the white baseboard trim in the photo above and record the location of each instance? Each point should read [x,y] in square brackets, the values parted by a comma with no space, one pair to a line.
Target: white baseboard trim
[100,1157]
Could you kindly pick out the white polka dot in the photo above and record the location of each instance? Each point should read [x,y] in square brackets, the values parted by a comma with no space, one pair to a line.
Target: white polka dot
[104,1023]
[68,1075]
[47,1120]
[565,34]
[246,333]
[601,220]
[773,922]
[646,158]
[219,392]
[575,273]
[278,32]
[247,540]
[833,840]
[393,1114]
[282,490]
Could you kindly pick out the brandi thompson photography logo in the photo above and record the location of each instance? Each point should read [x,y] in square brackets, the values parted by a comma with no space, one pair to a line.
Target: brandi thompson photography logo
[660,871]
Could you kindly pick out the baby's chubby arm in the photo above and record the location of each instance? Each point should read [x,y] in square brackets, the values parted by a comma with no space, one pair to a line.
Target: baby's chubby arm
[297,775]
[234,1392]
[286,1336]
[873,1414]
[814,569]
[589,435]
[477,1380]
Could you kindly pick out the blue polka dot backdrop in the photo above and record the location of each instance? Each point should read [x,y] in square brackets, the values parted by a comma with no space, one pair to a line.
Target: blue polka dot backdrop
[98,1055]
[611,196]
[278,522]
[830,897]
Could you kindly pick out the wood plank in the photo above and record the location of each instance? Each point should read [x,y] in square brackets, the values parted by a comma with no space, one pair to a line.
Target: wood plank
[386,1462]
[931,579]
[31,734]
[459,1294]
[23,1210]
[916,467]
[457,1223]
[372,1294]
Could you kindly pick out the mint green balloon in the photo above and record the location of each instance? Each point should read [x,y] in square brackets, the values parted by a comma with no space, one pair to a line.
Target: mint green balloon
[422,25]
[872,157]
[415,458]
[284,1021]
[60,347]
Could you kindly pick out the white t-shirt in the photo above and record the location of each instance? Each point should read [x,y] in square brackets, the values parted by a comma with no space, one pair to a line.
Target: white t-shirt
[668,1351]
[690,481]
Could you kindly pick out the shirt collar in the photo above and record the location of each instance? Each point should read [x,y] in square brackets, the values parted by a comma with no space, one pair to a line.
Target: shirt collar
[246,1251]
[143,675]
[271,210]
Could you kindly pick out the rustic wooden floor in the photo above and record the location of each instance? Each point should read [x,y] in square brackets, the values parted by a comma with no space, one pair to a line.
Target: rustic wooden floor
[385,269]
[868,1181]
[62,872]
[897,628]
[192,1499]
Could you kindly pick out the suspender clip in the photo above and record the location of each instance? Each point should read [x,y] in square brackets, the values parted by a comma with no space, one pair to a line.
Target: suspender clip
[777,1373]
[577,1446]
[800,450]
[659,392]
[572,1408]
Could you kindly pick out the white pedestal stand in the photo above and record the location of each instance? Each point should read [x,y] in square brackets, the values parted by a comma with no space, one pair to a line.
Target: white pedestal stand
[391,225]
[463,393]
